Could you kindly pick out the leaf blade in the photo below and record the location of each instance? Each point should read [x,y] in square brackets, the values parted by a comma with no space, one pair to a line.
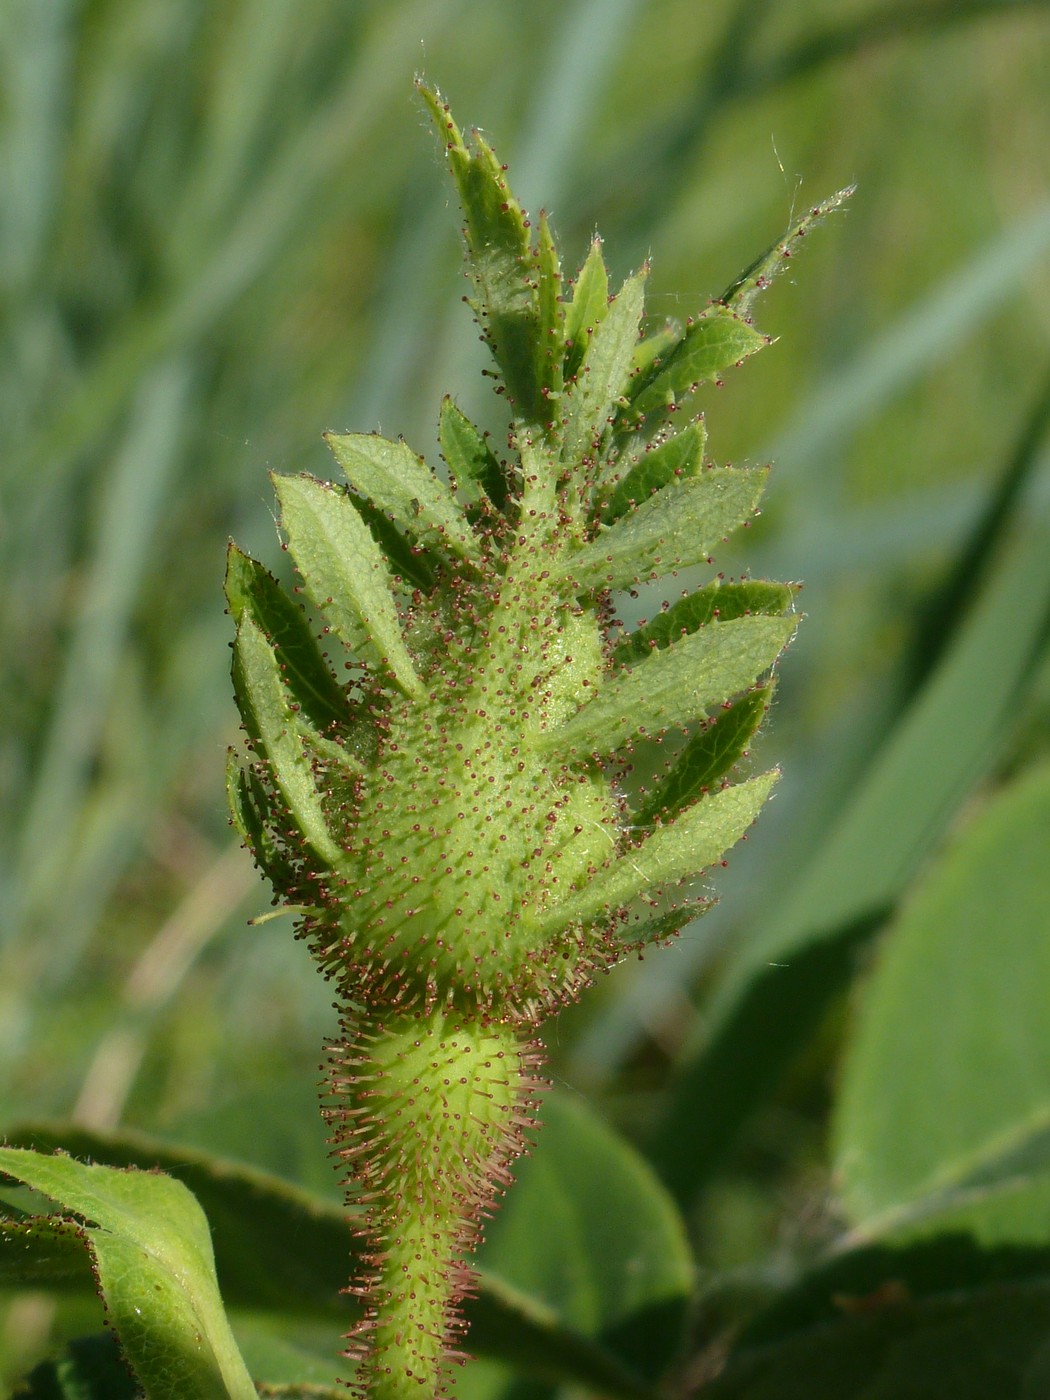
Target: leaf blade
[680,851]
[673,686]
[252,589]
[602,379]
[270,718]
[400,483]
[344,572]
[974,1108]
[151,1246]
[677,527]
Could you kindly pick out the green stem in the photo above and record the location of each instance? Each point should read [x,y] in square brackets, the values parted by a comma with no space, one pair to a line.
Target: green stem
[430,1111]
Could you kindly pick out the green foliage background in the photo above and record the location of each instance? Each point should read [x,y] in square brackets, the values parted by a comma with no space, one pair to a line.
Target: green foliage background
[224,229]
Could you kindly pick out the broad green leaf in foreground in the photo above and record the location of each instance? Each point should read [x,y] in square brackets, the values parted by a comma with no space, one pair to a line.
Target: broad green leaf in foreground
[152,1251]
[279,1250]
[945,1099]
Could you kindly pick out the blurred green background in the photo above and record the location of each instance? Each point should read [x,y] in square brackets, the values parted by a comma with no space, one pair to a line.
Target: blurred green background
[225,228]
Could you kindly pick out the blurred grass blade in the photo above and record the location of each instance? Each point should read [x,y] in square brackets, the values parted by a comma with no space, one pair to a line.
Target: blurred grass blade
[36,54]
[279,201]
[911,345]
[945,743]
[941,612]
[129,514]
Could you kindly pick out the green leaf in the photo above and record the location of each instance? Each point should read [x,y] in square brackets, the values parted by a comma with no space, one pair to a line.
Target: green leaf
[270,718]
[592,397]
[695,840]
[717,601]
[662,928]
[589,1232]
[253,590]
[674,685]
[677,527]
[249,808]
[679,458]
[707,758]
[741,293]
[850,1279]
[409,562]
[717,340]
[969,1346]
[943,1112]
[502,265]
[344,572]
[551,333]
[473,464]
[396,481]
[590,298]
[649,353]
[784,978]
[151,1247]
[280,1249]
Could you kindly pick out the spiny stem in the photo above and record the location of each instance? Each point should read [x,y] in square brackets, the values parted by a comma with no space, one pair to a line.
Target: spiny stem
[428,1113]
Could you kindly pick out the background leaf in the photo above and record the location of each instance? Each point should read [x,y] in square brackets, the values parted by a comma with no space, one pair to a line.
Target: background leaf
[945,1099]
[990,1343]
[590,1233]
[785,977]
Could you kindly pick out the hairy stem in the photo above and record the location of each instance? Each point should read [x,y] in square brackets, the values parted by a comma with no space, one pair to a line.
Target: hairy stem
[429,1111]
